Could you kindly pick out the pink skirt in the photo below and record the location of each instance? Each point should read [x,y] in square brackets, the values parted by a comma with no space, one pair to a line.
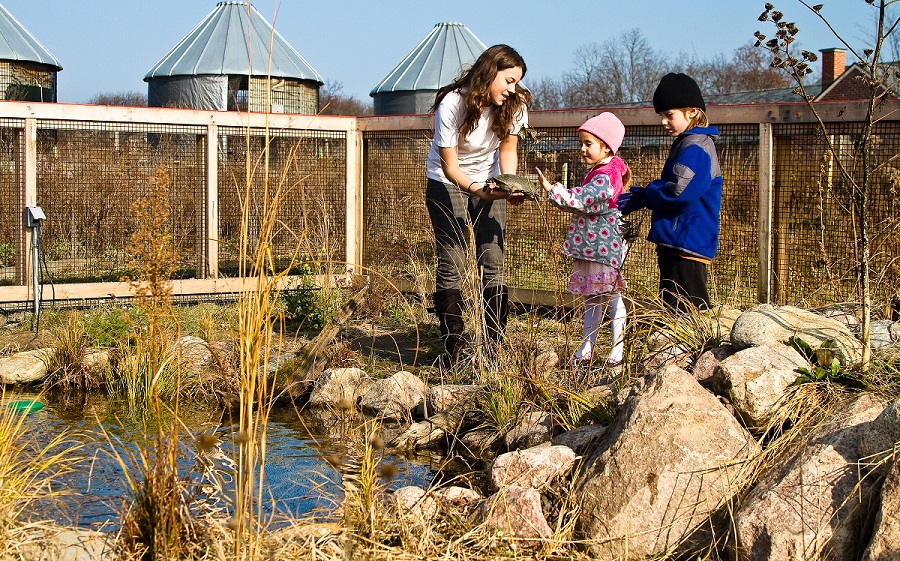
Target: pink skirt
[589,277]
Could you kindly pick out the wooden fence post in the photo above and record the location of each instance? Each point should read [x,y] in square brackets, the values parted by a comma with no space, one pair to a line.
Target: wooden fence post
[24,265]
[210,269]
[354,229]
[766,198]
[780,217]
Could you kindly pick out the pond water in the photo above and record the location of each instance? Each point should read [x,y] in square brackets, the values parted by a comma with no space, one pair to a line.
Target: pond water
[301,448]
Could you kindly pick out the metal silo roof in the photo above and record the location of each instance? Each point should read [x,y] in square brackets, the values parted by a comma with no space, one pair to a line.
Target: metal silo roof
[17,43]
[435,61]
[219,45]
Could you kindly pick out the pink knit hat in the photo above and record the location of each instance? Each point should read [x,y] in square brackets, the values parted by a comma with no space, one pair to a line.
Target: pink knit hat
[608,128]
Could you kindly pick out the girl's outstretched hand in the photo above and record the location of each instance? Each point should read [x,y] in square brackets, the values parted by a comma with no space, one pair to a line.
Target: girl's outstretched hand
[543,180]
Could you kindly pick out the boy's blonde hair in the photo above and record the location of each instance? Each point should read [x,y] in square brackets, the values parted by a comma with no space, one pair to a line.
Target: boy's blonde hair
[699,120]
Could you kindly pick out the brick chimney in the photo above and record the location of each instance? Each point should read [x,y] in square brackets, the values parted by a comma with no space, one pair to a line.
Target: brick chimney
[833,65]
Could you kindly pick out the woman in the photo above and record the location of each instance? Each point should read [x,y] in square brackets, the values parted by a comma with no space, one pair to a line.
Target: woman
[476,120]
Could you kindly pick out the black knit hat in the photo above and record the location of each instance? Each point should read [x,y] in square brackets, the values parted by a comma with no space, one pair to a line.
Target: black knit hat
[677,91]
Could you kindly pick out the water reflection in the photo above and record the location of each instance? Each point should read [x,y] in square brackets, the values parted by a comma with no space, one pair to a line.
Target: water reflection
[297,481]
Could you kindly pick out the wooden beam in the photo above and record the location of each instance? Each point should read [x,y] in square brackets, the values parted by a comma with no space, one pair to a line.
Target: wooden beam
[766,197]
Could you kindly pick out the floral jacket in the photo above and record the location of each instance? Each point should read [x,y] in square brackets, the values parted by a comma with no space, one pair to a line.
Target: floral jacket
[594,231]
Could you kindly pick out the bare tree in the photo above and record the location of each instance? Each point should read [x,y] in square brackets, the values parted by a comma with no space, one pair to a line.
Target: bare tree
[548,94]
[621,70]
[880,81]
[333,101]
[126,99]
[749,69]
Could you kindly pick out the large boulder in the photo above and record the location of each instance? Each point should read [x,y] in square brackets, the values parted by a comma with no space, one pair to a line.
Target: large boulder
[534,468]
[812,504]
[532,429]
[885,543]
[580,439]
[705,366]
[447,397]
[192,353]
[339,385]
[26,367]
[754,380]
[757,328]
[516,513]
[395,398]
[663,467]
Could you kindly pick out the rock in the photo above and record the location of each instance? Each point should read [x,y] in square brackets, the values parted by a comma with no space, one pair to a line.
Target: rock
[880,440]
[96,360]
[580,440]
[419,435]
[885,543]
[192,353]
[396,397]
[479,443]
[754,380]
[847,314]
[514,512]
[662,469]
[532,429]
[414,502]
[26,367]
[66,544]
[883,333]
[458,497]
[720,320]
[813,503]
[450,396]
[662,350]
[706,365]
[759,328]
[533,468]
[339,386]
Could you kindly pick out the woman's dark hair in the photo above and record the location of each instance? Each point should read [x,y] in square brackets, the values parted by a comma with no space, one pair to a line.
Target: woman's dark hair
[474,85]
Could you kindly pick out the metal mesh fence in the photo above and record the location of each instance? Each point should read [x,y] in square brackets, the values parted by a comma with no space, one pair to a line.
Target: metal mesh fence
[306,173]
[816,245]
[11,180]
[27,81]
[399,238]
[89,177]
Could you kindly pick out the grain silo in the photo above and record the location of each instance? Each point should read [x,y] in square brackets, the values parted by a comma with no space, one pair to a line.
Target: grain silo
[224,64]
[27,69]
[435,62]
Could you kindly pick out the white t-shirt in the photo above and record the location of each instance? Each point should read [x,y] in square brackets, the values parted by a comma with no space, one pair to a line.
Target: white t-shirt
[478,153]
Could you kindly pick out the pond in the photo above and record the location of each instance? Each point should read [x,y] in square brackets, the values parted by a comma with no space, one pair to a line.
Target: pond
[304,455]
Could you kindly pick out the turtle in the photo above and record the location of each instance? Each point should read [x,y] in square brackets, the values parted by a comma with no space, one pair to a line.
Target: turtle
[512,183]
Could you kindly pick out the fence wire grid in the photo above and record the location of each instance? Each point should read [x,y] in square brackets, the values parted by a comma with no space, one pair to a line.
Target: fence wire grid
[90,173]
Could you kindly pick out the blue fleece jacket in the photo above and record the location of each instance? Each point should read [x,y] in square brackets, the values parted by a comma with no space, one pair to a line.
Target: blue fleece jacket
[686,200]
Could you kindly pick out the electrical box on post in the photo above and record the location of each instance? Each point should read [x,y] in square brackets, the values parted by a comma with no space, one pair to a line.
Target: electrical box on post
[33,216]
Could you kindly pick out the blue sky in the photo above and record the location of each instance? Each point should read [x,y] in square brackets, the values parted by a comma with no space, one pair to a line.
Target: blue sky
[106,46]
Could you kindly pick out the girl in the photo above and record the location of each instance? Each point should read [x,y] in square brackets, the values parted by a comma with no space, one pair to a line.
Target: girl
[476,120]
[594,239]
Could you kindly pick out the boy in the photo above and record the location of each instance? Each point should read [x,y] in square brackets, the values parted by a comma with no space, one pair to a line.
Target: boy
[685,201]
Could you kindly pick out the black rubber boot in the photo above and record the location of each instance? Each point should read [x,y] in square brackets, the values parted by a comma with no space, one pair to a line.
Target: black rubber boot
[496,310]
[448,305]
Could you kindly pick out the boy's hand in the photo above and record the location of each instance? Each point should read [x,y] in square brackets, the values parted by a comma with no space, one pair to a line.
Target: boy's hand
[632,200]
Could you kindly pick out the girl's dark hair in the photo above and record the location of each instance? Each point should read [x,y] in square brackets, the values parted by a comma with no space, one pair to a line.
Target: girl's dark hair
[474,85]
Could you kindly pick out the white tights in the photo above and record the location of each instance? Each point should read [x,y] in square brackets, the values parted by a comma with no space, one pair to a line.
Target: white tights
[593,316]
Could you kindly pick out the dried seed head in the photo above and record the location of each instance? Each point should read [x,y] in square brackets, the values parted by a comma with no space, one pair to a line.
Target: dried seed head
[344,404]
[242,437]
[868,52]
[334,460]
[769,6]
[764,16]
[812,57]
[818,8]
[389,471]
[772,43]
[207,441]
[376,443]
[776,16]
